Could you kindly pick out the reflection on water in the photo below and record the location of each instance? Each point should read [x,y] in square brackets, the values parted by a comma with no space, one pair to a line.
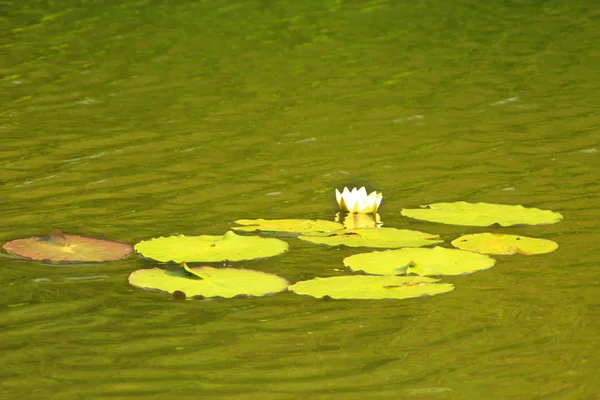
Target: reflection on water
[359,220]
[131,120]
[71,279]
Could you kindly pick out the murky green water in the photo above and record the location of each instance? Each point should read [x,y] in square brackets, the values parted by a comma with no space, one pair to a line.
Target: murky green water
[128,120]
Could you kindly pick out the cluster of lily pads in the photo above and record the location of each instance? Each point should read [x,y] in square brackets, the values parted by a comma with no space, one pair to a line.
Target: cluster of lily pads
[404,266]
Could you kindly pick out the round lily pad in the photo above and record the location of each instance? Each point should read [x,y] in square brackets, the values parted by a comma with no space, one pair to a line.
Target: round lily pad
[210,248]
[208,282]
[60,248]
[424,262]
[374,237]
[492,243]
[482,214]
[286,225]
[371,287]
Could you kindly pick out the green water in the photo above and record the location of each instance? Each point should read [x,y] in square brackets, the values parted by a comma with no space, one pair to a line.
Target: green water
[129,120]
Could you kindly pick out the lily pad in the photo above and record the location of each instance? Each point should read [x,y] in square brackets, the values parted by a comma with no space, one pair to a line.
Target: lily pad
[210,248]
[492,243]
[482,214]
[286,225]
[424,262]
[209,282]
[374,237]
[60,248]
[371,287]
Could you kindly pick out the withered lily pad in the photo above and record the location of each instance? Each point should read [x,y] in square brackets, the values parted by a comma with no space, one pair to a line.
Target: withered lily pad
[210,248]
[286,225]
[374,237]
[60,248]
[208,282]
[371,287]
[482,214]
[424,262]
[492,243]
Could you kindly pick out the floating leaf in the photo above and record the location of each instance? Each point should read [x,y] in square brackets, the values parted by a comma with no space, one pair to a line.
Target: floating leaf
[210,248]
[436,261]
[482,214]
[60,248]
[208,282]
[374,237]
[371,287]
[492,243]
[287,225]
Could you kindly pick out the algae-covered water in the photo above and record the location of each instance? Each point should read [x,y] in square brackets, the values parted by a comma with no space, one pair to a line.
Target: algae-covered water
[131,120]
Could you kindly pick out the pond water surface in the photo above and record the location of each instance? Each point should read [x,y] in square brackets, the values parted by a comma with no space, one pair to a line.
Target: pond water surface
[130,120]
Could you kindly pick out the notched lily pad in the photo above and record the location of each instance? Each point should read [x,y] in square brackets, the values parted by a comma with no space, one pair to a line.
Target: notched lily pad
[286,225]
[492,243]
[371,287]
[60,248]
[210,248]
[482,214]
[374,237]
[424,262]
[208,282]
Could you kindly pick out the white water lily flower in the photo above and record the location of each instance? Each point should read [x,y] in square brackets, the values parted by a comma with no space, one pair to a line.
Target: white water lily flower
[357,200]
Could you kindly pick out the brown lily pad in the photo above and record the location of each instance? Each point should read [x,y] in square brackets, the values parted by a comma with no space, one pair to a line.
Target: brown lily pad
[60,248]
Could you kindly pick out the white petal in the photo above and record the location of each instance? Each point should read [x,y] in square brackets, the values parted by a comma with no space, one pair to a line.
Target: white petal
[351,204]
[357,200]
[371,203]
[372,198]
[343,205]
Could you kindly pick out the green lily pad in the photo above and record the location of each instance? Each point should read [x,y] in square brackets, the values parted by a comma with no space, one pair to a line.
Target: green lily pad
[482,214]
[209,282]
[371,287]
[210,248]
[286,225]
[424,262]
[374,237]
[492,243]
[60,248]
